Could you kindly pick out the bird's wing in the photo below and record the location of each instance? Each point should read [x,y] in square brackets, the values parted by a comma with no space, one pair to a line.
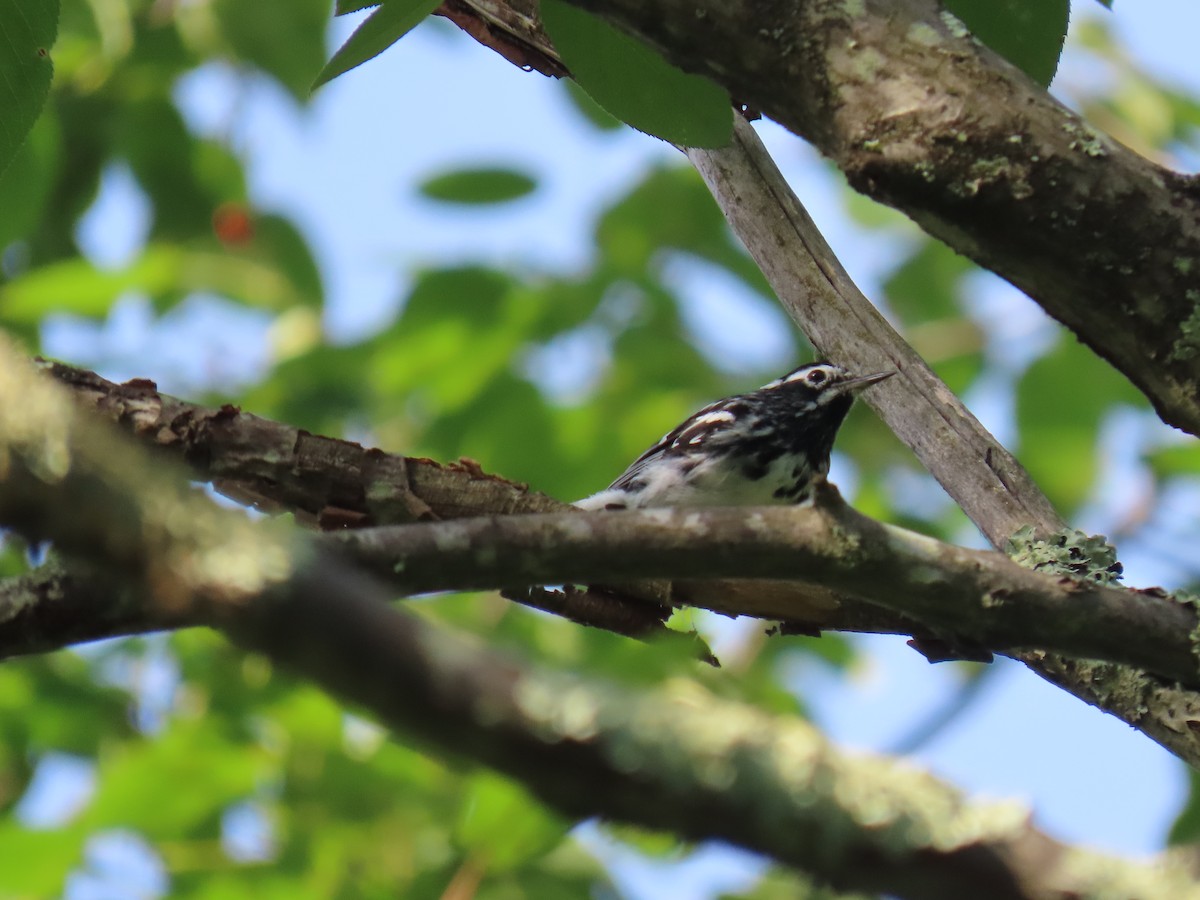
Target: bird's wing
[706,429]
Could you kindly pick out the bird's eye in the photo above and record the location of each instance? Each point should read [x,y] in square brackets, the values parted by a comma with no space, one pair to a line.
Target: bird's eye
[817,377]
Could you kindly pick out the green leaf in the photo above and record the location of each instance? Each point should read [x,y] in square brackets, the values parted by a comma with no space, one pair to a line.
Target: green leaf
[597,115]
[1186,828]
[283,37]
[142,784]
[342,7]
[1028,33]
[45,857]
[1061,401]
[26,184]
[672,208]
[925,286]
[635,83]
[27,32]
[390,22]
[478,186]
[166,272]
[505,825]
[1175,460]
[924,292]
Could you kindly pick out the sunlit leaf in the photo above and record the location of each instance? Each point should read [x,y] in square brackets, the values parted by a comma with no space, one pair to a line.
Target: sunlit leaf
[38,859]
[635,83]
[142,783]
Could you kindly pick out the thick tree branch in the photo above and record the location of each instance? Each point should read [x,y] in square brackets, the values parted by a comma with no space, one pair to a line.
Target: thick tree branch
[674,758]
[57,605]
[323,480]
[980,596]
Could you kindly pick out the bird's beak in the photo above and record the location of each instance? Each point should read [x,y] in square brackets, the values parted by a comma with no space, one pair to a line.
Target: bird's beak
[861,382]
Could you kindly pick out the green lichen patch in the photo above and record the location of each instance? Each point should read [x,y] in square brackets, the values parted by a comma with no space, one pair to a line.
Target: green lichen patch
[1070,552]
[1187,346]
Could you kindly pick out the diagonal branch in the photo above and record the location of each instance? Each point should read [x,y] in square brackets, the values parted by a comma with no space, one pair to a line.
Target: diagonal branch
[984,479]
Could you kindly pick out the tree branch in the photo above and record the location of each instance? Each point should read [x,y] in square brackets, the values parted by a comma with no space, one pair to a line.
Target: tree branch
[673,758]
[57,605]
[224,441]
[980,596]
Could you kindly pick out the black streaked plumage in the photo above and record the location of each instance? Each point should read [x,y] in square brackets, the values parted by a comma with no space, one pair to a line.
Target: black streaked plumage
[766,447]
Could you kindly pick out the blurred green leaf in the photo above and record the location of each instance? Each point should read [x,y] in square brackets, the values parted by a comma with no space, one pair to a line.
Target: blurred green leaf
[925,286]
[27,32]
[153,138]
[176,785]
[285,38]
[671,208]
[1186,827]
[26,184]
[505,426]
[386,25]
[924,291]
[1175,460]
[504,825]
[1028,33]
[38,860]
[659,845]
[1061,400]
[478,186]
[75,714]
[635,83]
[276,244]
[165,272]
[320,390]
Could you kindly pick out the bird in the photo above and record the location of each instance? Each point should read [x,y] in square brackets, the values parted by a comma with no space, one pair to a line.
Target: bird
[768,447]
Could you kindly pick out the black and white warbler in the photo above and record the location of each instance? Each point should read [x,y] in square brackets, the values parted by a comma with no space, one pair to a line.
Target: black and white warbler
[770,446]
